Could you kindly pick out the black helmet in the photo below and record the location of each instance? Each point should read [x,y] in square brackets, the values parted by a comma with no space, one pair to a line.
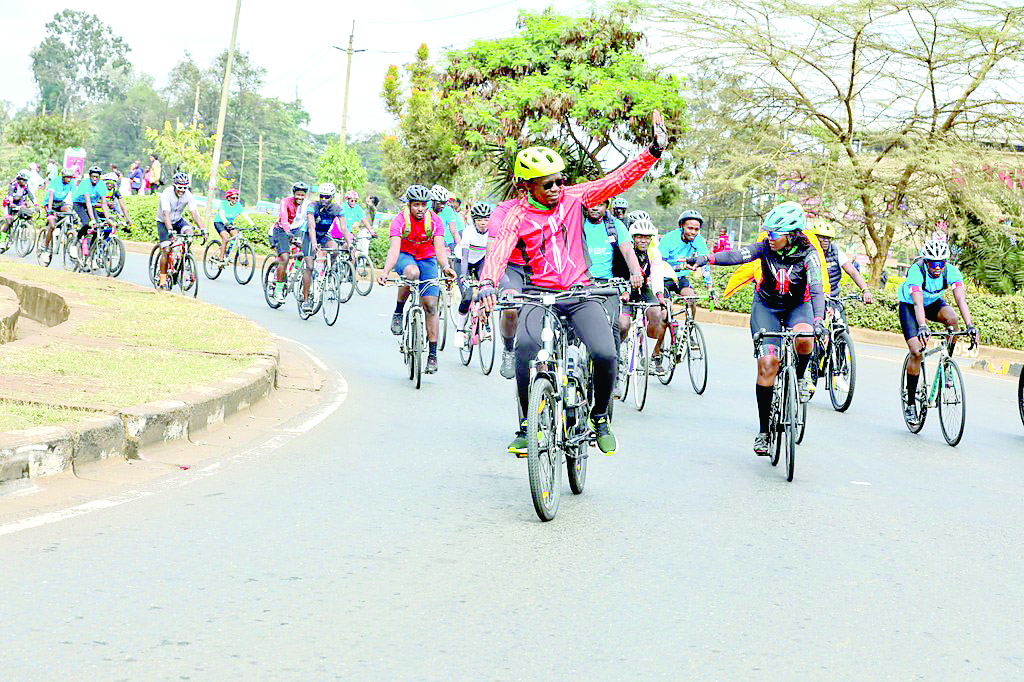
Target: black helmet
[181,179]
[481,210]
[300,186]
[417,193]
[691,214]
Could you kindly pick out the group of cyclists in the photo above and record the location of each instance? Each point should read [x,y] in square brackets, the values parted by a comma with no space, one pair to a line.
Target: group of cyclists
[554,237]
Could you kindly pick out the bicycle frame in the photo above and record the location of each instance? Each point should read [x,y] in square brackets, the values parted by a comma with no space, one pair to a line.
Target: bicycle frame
[944,355]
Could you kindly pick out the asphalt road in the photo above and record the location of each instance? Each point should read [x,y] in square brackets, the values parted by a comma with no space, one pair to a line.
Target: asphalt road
[397,540]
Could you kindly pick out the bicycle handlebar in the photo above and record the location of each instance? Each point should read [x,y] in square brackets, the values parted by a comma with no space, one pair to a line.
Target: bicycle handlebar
[787,334]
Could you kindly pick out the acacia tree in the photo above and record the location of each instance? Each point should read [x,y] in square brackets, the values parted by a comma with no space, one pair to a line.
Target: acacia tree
[578,84]
[863,108]
[421,149]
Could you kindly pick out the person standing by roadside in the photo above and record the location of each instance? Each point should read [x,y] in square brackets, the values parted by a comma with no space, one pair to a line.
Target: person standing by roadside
[154,174]
[723,243]
[135,174]
[51,171]
[36,182]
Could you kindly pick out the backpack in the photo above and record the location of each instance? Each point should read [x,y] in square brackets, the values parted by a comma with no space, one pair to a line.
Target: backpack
[919,262]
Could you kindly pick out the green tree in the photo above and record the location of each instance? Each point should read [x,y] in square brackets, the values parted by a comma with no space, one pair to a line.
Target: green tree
[48,136]
[578,84]
[79,61]
[340,164]
[421,149]
[861,108]
[188,148]
[119,126]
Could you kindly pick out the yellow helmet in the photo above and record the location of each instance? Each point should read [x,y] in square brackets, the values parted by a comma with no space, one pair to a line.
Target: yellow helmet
[536,162]
[825,231]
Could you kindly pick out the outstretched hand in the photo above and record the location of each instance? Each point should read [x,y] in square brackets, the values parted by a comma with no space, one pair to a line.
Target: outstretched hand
[660,132]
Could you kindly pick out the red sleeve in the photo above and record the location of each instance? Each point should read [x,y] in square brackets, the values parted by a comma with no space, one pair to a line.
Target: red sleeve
[397,223]
[496,261]
[282,216]
[615,183]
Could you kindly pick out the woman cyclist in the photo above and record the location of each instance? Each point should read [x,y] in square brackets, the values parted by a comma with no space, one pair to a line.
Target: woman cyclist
[789,294]
[469,254]
[224,222]
[643,233]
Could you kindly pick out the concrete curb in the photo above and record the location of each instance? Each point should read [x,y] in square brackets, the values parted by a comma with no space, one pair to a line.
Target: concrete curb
[10,309]
[50,449]
[991,359]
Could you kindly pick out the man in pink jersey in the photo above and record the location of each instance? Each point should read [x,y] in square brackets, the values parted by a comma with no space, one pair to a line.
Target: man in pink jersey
[548,222]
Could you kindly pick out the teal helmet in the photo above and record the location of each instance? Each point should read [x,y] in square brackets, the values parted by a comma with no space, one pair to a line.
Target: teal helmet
[786,217]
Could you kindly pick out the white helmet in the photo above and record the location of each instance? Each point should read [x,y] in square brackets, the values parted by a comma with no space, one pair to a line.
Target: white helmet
[110,177]
[439,193]
[636,215]
[327,189]
[620,202]
[643,226]
[936,249]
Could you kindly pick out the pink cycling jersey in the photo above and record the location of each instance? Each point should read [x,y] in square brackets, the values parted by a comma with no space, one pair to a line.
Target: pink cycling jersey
[554,238]
[286,216]
[494,227]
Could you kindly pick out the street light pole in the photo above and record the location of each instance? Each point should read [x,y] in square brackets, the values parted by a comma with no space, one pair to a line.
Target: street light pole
[215,160]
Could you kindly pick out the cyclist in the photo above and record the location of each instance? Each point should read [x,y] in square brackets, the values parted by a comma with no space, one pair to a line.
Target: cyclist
[88,199]
[470,253]
[170,218]
[516,276]
[676,246]
[322,216]
[920,298]
[112,200]
[356,219]
[549,220]
[224,222]
[291,213]
[60,191]
[837,262]
[416,247]
[651,289]
[439,199]
[788,294]
[619,208]
[634,216]
[19,195]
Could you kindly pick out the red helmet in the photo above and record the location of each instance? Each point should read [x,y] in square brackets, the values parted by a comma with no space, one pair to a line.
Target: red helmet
[232,194]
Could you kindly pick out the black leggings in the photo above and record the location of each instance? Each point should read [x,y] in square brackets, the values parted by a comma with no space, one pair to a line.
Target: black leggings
[83,218]
[591,326]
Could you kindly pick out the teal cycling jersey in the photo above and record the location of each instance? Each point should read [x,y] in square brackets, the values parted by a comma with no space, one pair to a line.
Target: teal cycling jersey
[61,190]
[675,251]
[94,192]
[600,247]
[228,213]
[353,215]
[449,217]
[931,290]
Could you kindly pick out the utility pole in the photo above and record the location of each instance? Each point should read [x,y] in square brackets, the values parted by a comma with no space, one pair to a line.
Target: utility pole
[195,108]
[215,161]
[348,78]
[259,175]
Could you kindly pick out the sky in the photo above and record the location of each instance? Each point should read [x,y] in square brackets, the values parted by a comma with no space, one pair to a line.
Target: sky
[295,48]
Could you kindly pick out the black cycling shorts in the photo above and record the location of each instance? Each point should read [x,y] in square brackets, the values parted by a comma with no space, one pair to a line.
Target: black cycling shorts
[908,320]
[777,320]
[676,286]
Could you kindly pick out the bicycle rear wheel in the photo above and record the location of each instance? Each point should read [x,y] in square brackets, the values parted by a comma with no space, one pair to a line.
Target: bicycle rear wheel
[543,456]
[641,369]
[270,282]
[1020,396]
[668,356]
[623,369]
[841,368]
[789,419]
[188,278]
[211,259]
[331,300]
[346,285]
[40,248]
[921,398]
[363,275]
[952,402]
[245,264]
[442,320]
[801,425]
[697,359]
[485,334]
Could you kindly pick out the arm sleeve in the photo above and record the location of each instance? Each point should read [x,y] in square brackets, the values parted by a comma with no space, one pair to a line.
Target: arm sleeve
[497,256]
[616,182]
[739,256]
[702,249]
[658,271]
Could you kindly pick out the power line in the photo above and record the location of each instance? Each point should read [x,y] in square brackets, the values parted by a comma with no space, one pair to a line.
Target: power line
[451,16]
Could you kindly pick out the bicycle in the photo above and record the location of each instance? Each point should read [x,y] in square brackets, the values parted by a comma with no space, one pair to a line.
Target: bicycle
[108,252]
[412,344]
[1020,396]
[326,284]
[836,361]
[21,235]
[788,415]
[444,304]
[362,265]
[480,332]
[154,253]
[561,398]
[947,390]
[634,362]
[293,275]
[64,225]
[181,264]
[239,252]
[685,342]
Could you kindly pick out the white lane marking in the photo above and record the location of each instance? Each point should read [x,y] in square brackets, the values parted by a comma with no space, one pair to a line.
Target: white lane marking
[860,483]
[260,450]
[30,490]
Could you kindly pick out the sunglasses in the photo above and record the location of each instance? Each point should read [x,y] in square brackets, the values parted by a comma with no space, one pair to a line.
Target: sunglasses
[936,263]
[551,183]
[773,234]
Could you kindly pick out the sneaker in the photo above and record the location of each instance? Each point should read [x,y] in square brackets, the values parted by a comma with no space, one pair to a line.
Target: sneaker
[396,324]
[806,389]
[460,338]
[162,283]
[518,446]
[47,256]
[910,412]
[606,442]
[508,364]
[307,305]
[431,364]
[279,292]
[761,444]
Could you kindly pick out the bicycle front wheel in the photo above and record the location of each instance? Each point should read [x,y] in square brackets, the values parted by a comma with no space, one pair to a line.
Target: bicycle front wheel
[346,285]
[245,264]
[952,403]
[485,333]
[24,239]
[270,282]
[154,263]
[641,369]
[544,459]
[668,356]
[115,256]
[364,275]
[211,259]
[442,320]
[841,372]
[40,248]
[331,299]
[1020,396]
[790,405]
[188,278]
[697,359]
[921,398]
